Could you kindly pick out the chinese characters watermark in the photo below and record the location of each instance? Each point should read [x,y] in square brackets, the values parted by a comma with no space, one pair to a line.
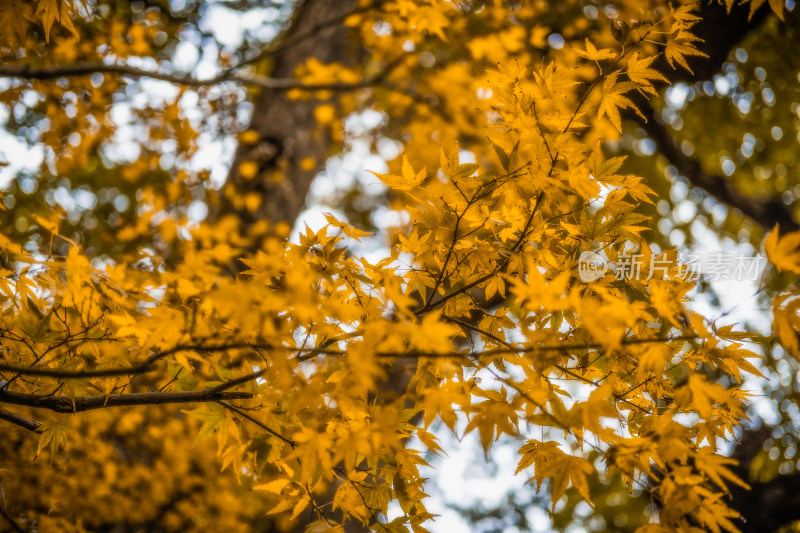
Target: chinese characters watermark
[710,266]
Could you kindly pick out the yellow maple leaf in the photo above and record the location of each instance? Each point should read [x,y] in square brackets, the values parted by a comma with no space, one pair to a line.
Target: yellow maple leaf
[15,19]
[54,434]
[349,230]
[549,461]
[66,17]
[48,13]
[554,80]
[676,50]
[786,322]
[614,100]
[775,5]
[248,169]
[639,71]
[593,54]
[407,181]
[784,252]
[715,467]
[47,225]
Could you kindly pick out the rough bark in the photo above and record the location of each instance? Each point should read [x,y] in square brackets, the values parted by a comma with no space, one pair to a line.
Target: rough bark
[287,129]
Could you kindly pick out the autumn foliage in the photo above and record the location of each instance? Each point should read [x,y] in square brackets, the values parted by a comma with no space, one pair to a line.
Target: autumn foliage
[150,361]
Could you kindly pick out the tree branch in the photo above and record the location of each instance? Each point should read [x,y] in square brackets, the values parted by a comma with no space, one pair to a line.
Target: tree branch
[87,69]
[239,381]
[21,421]
[11,520]
[64,404]
[721,32]
[111,372]
[767,213]
[140,368]
[263,426]
[303,354]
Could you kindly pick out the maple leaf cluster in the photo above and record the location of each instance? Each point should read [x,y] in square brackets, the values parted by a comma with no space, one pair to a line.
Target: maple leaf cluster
[279,356]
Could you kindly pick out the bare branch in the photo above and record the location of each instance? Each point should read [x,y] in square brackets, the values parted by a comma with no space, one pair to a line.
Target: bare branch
[766,212]
[532,349]
[87,69]
[721,29]
[64,404]
[21,421]
[263,426]
[239,381]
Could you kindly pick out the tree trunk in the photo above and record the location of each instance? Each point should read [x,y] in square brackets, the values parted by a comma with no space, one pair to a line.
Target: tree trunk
[290,148]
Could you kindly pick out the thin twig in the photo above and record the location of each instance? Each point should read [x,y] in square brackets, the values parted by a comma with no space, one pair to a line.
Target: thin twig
[263,426]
